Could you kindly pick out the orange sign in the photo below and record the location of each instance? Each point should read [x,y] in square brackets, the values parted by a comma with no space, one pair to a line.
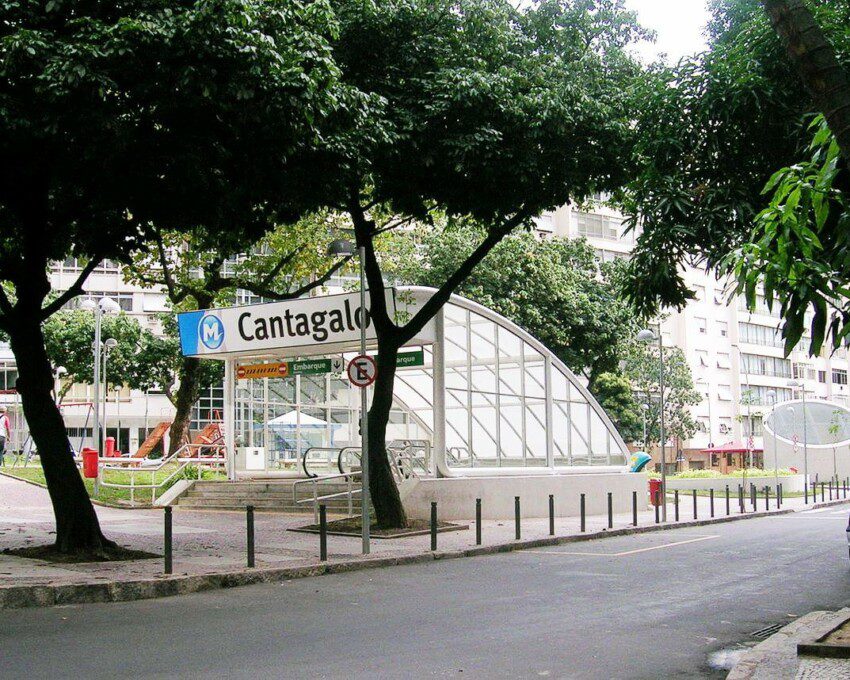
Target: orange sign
[254,371]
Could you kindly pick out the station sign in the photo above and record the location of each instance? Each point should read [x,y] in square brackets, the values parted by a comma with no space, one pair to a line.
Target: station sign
[404,359]
[286,369]
[320,324]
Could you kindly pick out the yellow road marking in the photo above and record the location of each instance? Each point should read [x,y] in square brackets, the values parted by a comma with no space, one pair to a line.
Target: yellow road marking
[625,552]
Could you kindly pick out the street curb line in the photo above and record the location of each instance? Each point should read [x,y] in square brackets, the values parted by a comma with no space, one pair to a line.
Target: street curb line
[16,597]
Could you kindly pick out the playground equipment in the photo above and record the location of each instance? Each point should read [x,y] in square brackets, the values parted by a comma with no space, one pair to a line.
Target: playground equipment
[152,440]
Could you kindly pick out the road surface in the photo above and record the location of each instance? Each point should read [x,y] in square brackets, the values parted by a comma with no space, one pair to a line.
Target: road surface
[658,605]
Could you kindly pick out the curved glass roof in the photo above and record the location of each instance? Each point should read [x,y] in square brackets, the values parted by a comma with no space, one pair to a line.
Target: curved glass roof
[509,402]
[826,423]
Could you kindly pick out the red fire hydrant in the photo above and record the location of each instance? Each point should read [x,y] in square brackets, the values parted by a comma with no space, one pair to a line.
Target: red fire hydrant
[90,462]
[655,491]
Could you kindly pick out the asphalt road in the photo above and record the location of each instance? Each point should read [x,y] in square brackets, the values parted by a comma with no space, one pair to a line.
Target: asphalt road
[647,606]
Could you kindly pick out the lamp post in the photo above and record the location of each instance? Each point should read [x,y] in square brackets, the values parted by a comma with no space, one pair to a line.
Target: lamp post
[644,408]
[108,345]
[771,397]
[344,247]
[646,336]
[799,384]
[103,306]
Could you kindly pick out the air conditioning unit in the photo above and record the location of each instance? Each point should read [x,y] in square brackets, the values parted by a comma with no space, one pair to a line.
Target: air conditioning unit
[724,428]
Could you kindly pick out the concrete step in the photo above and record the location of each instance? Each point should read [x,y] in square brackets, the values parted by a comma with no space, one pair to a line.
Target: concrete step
[233,503]
[270,495]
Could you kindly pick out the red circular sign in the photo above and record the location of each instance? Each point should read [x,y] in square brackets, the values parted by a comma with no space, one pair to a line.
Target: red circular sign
[362,370]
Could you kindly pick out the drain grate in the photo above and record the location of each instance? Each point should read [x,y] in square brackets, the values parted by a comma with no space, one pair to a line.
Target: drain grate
[765,633]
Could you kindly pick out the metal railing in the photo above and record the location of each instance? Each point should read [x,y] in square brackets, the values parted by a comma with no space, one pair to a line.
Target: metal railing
[185,457]
[315,499]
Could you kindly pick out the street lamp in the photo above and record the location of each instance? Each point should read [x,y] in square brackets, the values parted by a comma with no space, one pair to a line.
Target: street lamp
[345,248]
[108,345]
[799,384]
[771,398]
[645,409]
[103,306]
[646,336]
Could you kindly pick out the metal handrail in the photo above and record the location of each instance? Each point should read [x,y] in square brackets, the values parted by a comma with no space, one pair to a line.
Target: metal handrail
[312,449]
[315,481]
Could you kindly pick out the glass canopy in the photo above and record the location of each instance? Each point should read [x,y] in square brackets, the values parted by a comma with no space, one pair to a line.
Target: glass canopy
[826,424]
[508,403]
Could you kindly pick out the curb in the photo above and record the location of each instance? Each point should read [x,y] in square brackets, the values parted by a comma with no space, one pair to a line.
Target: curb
[16,597]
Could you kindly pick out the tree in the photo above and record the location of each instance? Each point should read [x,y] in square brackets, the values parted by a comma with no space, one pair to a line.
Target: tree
[712,130]
[285,264]
[815,60]
[117,117]
[643,370]
[493,115]
[614,393]
[556,289]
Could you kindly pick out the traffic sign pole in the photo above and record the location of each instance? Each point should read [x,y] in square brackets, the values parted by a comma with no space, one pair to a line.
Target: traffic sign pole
[364,431]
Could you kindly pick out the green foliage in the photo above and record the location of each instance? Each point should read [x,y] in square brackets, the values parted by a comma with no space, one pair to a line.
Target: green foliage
[714,474]
[614,393]
[556,289]
[798,249]
[711,131]
[642,369]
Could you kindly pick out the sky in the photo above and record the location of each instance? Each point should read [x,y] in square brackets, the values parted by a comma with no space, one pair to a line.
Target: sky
[678,24]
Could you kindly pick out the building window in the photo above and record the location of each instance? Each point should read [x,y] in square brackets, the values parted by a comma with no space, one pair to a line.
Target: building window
[700,324]
[724,360]
[725,425]
[699,292]
[821,376]
[723,329]
[124,300]
[597,226]
[702,358]
[757,364]
[724,392]
[839,376]
[754,334]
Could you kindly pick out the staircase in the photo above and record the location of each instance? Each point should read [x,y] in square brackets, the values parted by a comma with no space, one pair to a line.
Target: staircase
[275,496]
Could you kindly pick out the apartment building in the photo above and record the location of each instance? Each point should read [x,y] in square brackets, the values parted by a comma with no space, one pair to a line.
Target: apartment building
[736,357]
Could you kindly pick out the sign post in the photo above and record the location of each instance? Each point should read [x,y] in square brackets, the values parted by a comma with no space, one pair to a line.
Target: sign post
[364,430]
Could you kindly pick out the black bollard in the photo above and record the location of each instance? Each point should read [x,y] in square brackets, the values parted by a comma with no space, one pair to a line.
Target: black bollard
[323,533]
[551,515]
[822,494]
[806,491]
[657,504]
[433,525]
[249,525]
[581,512]
[516,517]
[830,489]
[695,503]
[477,521]
[753,498]
[676,503]
[610,511]
[634,508]
[167,540]
[767,498]
[711,500]
[728,512]
[779,495]
[741,499]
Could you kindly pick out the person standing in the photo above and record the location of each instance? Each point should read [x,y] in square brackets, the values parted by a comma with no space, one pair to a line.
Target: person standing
[5,434]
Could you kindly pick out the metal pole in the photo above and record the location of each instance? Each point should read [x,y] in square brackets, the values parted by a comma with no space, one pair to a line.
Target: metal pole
[250,529]
[323,533]
[657,503]
[634,508]
[551,515]
[433,525]
[728,511]
[516,517]
[97,316]
[477,521]
[364,431]
[695,503]
[805,442]
[610,511]
[168,541]
[581,512]
[711,500]
[676,503]
[661,397]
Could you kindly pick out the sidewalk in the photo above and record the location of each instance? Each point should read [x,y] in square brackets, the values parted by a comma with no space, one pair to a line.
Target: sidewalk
[209,547]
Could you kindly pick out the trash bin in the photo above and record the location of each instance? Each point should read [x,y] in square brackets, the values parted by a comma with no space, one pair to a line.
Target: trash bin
[90,463]
[109,447]
[655,491]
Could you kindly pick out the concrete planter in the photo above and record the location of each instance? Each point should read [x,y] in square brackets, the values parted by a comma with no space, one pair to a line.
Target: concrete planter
[789,483]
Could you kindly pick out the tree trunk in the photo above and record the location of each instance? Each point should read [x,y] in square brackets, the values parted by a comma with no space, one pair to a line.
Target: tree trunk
[386,500]
[814,59]
[187,396]
[77,526]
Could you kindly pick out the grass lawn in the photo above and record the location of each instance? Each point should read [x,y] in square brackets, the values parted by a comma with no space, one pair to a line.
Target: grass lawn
[114,496]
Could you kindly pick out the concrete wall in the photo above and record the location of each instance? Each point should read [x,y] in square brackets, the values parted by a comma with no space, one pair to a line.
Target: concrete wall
[456,496]
[789,483]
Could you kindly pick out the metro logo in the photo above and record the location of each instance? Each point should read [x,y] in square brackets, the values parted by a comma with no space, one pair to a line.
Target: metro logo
[211,332]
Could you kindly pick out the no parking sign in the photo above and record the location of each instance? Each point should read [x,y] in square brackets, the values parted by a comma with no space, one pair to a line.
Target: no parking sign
[362,370]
